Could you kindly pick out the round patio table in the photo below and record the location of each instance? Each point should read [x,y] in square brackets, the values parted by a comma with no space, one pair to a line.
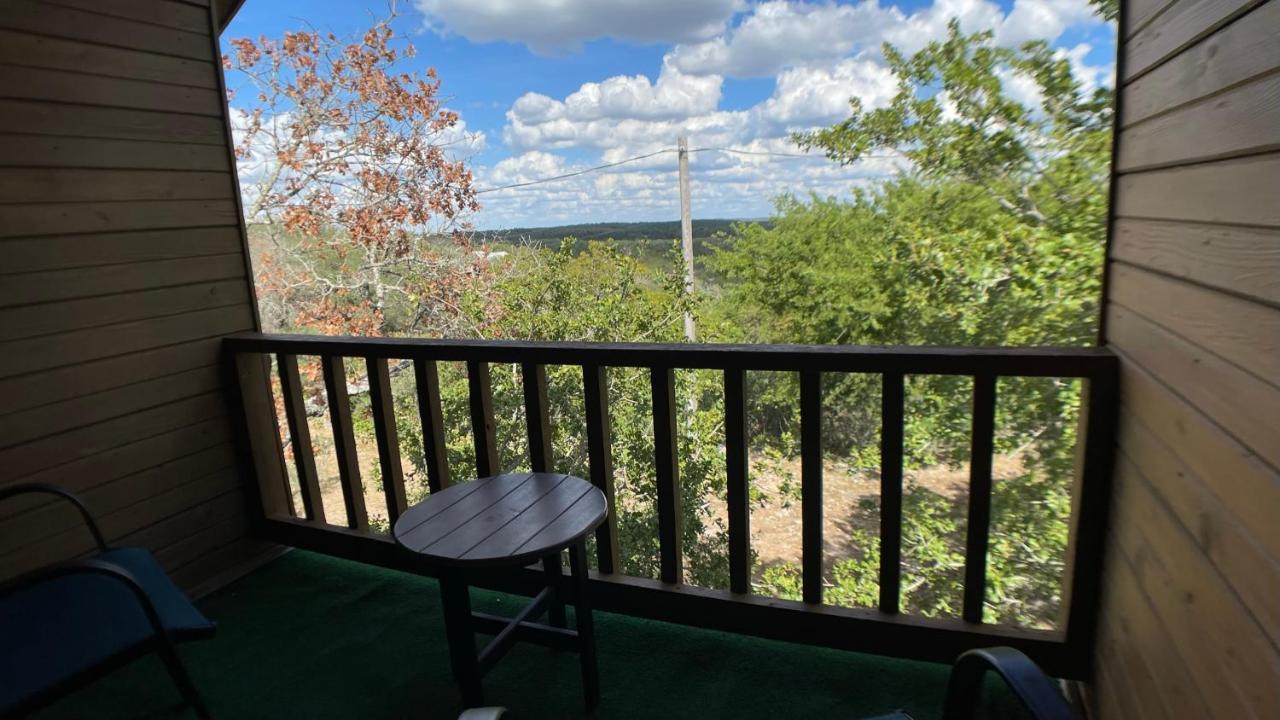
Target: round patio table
[510,521]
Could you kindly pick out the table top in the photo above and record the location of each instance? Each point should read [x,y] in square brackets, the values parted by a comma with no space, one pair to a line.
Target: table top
[502,520]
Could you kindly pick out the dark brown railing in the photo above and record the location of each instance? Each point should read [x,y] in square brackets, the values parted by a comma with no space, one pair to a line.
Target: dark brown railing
[1064,651]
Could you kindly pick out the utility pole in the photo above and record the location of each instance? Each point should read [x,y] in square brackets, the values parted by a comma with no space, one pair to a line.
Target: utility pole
[686,234]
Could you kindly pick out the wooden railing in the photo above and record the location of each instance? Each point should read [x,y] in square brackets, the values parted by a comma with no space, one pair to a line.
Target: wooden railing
[1065,651]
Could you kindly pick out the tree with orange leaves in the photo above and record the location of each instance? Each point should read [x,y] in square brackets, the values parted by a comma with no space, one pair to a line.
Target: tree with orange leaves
[355,200]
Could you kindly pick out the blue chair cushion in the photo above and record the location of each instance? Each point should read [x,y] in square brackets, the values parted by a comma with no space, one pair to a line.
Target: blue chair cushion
[61,627]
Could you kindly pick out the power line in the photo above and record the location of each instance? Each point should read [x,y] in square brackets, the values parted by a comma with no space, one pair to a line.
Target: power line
[737,151]
[575,173]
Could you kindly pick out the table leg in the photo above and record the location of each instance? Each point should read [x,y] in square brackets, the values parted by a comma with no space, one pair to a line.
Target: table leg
[555,608]
[586,626]
[456,599]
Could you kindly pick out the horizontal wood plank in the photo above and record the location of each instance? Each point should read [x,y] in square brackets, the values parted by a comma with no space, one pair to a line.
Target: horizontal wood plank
[1143,639]
[73,24]
[1184,23]
[1246,487]
[177,15]
[52,318]
[32,457]
[1244,564]
[69,382]
[53,418]
[1240,331]
[25,49]
[1241,260]
[36,151]
[115,278]
[91,252]
[66,218]
[1240,51]
[42,118]
[1239,191]
[68,349]
[28,83]
[1242,404]
[1216,636]
[36,185]
[1240,121]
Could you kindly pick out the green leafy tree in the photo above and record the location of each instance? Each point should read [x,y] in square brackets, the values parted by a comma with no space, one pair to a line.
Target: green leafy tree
[992,235]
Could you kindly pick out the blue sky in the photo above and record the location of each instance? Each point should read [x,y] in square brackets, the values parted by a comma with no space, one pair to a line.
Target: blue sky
[552,86]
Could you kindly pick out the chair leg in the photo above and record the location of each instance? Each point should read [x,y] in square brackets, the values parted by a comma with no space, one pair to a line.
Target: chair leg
[178,673]
[586,625]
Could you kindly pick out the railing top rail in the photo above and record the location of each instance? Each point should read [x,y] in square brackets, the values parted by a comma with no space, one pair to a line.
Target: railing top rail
[929,360]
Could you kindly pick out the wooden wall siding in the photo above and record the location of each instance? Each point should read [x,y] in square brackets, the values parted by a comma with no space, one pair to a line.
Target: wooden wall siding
[122,265]
[1191,612]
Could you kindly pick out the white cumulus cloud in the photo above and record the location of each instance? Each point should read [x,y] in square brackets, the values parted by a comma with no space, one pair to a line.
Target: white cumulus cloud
[551,26]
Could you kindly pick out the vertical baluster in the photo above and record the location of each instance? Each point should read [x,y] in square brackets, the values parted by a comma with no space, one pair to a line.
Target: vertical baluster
[295,411]
[537,417]
[736,464]
[427,378]
[662,381]
[979,522]
[599,453]
[811,483]
[481,396]
[384,426]
[344,442]
[891,400]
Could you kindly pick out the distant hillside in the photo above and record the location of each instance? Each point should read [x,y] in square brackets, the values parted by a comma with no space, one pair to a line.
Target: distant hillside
[702,229]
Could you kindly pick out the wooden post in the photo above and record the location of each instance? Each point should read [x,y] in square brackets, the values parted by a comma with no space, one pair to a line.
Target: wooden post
[686,234]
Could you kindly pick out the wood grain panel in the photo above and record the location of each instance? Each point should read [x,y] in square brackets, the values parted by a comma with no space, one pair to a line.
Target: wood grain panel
[1231,659]
[1240,331]
[28,425]
[44,319]
[1241,260]
[1185,22]
[88,252]
[72,24]
[37,118]
[178,15]
[1143,638]
[1242,50]
[78,282]
[32,457]
[69,349]
[1240,192]
[61,152]
[27,83]
[1140,12]
[34,185]
[65,218]
[1240,121]
[23,49]
[1242,404]
[45,387]
[1235,475]
[1244,564]
[131,491]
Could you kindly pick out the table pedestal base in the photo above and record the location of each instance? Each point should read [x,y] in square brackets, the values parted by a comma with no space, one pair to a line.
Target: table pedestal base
[461,624]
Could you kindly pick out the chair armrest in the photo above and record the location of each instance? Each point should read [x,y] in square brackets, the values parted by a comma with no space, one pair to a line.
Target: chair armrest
[484,713]
[64,494]
[1034,689]
[94,567]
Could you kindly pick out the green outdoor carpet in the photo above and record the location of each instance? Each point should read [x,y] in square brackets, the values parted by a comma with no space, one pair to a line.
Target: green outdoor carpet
[310,636]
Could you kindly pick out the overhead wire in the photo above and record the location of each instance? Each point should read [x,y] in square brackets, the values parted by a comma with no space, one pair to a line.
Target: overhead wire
[605,166]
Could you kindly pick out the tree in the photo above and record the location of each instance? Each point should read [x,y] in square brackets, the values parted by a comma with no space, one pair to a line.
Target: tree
[357,210]
[992,236]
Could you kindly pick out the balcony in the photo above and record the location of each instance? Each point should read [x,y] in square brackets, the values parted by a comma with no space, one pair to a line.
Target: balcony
[1064,651]
[318,637]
